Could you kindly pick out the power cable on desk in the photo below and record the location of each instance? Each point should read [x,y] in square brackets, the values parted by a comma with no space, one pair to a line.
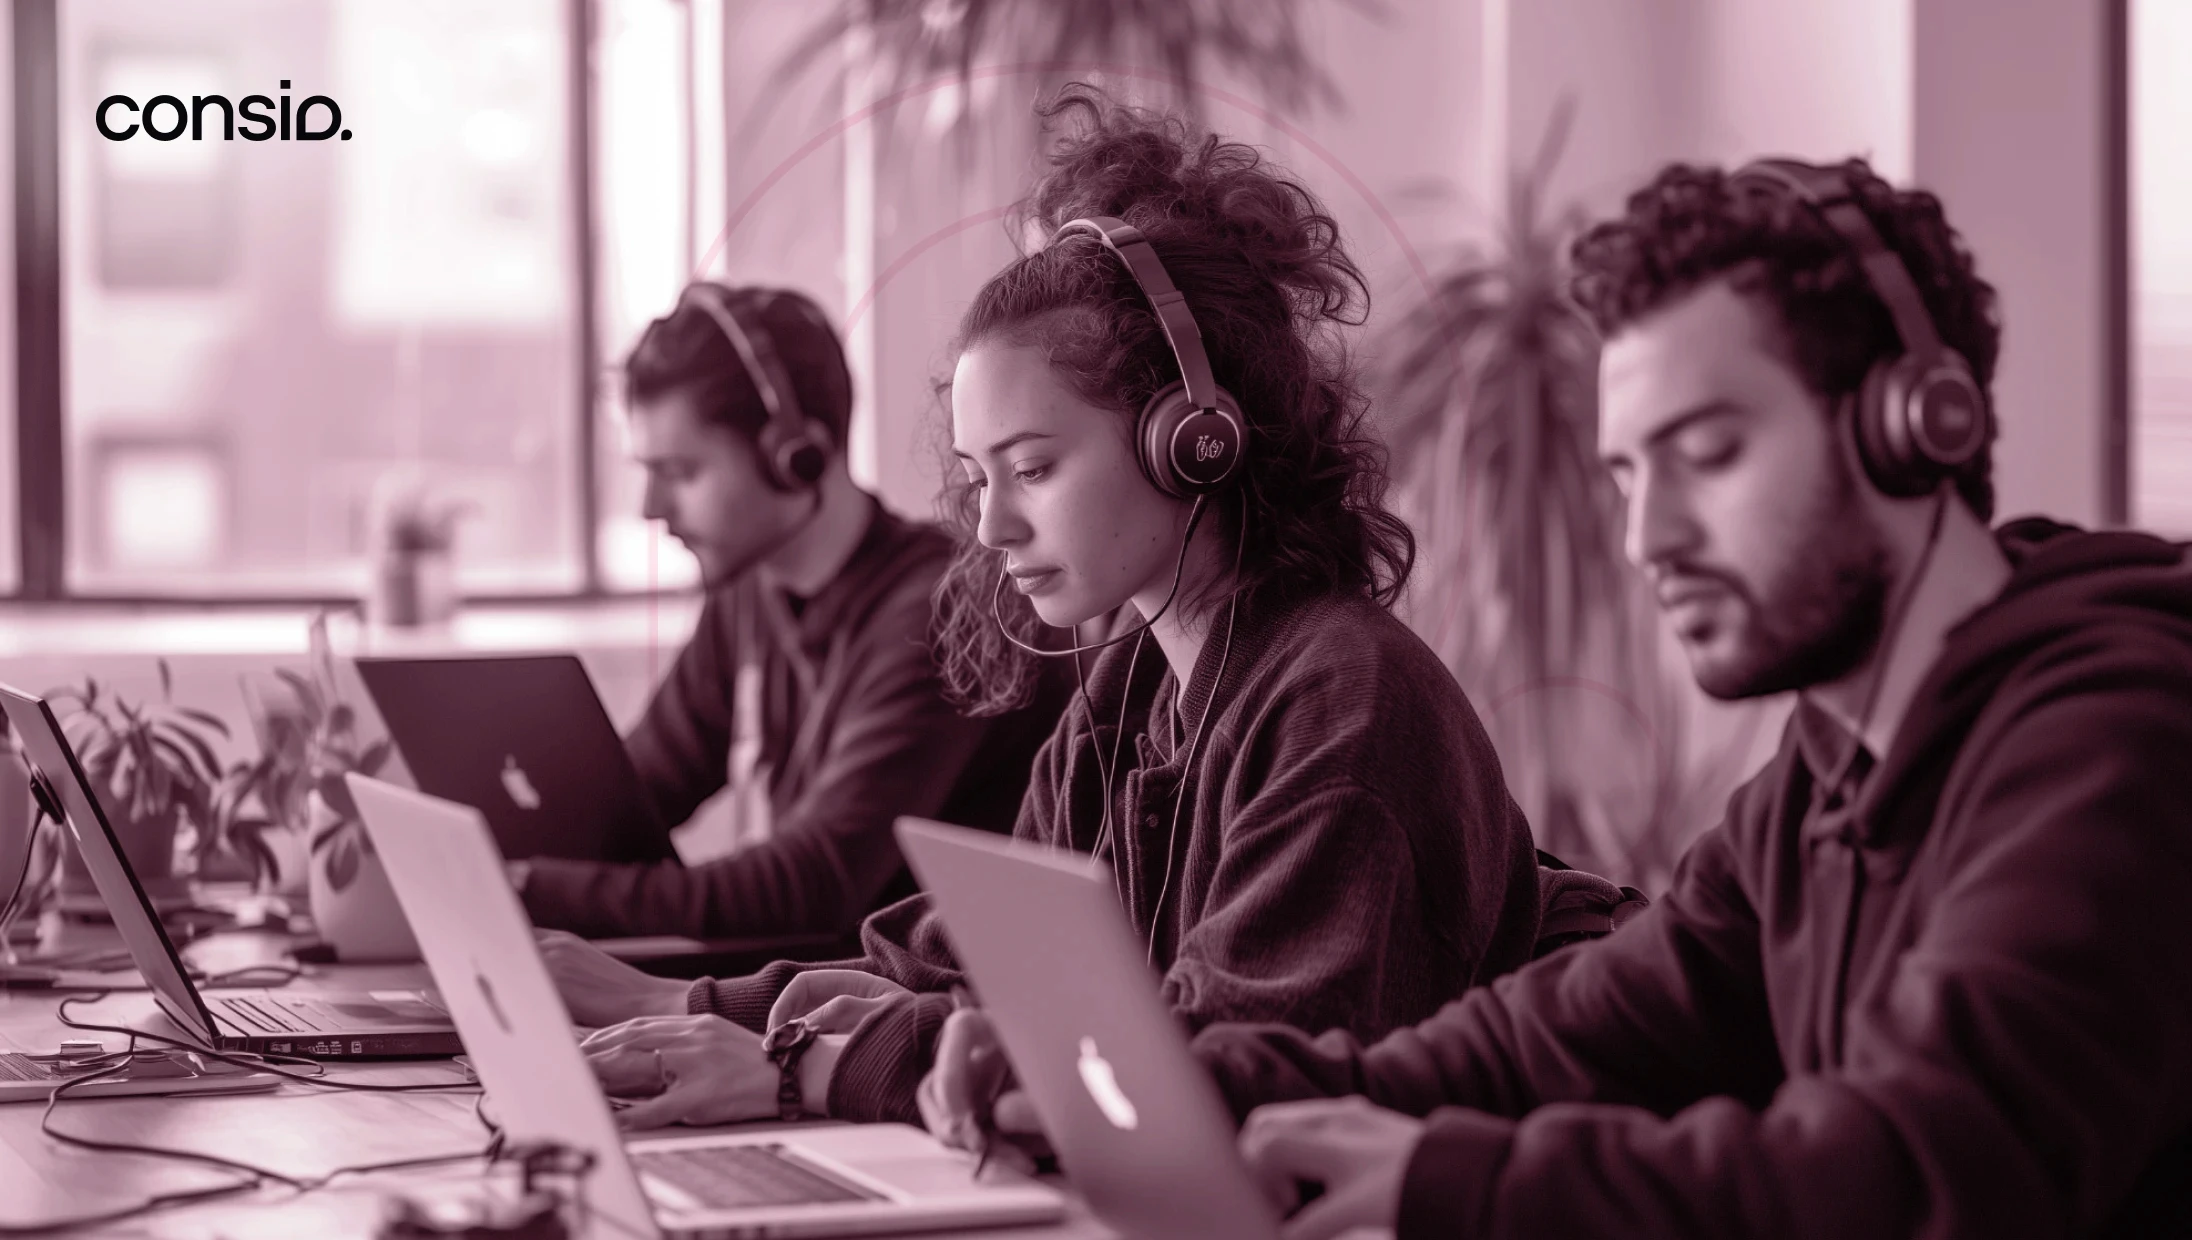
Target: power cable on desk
[39,817]
[247,1059]
[255,1176]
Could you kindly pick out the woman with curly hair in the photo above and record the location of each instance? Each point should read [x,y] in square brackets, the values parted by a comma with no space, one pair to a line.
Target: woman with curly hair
[1307,821]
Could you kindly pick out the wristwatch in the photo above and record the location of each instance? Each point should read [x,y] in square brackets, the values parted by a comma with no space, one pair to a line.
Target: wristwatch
[784,1045]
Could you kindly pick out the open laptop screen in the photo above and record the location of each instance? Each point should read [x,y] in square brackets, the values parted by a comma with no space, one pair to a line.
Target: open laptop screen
[59,780]
[524,739]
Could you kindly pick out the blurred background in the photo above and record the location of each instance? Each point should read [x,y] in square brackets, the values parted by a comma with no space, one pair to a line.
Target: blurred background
[227,363]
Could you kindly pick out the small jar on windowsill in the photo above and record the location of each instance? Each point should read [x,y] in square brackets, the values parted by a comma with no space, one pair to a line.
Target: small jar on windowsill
[413,588]
[414,572]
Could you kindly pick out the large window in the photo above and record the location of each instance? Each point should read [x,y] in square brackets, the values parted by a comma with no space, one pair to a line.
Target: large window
[262,338]
[8,500]
[261,342]
[2161,265]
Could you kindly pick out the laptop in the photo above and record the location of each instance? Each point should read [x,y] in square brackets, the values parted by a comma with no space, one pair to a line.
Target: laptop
[524,738]
[836,1180]
[299,1019]
[1137,1123]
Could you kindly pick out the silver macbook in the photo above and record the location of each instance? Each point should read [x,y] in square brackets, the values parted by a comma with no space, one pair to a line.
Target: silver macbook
[1138,1124]
[302,1019]
[827,1181]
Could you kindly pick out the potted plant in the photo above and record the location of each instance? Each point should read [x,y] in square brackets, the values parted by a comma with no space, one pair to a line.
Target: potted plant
[1491,400]
[154,769]
[305,749]
[910,43]
[353,905]
[414,575]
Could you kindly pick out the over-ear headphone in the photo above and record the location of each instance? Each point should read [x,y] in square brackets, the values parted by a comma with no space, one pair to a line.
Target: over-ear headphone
[1920,415]
[793,453]
[1190,435]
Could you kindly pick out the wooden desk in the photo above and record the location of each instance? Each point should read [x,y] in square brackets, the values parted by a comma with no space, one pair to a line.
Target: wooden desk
[296,1129]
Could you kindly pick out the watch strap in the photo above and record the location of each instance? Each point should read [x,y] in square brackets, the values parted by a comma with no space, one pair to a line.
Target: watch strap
[786,1045]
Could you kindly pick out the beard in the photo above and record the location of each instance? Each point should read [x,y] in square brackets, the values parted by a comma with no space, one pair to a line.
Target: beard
[1813,621]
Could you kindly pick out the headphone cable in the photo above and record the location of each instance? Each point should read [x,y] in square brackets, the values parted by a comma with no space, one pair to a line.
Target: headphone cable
[1179,566]
[1187,767]
[1893,631]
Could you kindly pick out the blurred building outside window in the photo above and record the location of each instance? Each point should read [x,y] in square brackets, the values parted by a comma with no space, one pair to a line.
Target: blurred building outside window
[2161,266]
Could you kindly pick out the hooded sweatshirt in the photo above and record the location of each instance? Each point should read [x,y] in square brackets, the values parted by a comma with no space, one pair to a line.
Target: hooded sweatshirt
[1961,1007]
[1339,850]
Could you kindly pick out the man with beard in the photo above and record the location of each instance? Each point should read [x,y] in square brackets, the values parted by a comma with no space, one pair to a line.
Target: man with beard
[808,687]
[1930,976]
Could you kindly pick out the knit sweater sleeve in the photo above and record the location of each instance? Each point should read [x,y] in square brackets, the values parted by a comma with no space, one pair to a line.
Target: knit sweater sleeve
[1312,898]
[1372,864]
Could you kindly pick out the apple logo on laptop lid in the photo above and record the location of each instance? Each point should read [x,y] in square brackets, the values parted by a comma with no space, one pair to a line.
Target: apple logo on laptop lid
[1103,1086]
[518,785]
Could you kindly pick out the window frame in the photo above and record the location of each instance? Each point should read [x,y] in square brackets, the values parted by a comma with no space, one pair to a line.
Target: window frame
[40,427]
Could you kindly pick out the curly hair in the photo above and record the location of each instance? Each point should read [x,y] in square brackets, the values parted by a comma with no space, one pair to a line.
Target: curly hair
[1260,263]
[1692,224]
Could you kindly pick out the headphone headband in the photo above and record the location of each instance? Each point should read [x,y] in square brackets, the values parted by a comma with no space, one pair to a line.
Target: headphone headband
[757,350]
[1180,331]
[1921,415]
[1827,191]
[790,450]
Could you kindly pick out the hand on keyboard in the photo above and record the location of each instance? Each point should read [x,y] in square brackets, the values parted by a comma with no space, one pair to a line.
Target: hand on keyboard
[688,1070]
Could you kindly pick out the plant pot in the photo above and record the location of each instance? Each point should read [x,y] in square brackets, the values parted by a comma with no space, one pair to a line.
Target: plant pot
[148,844]
[413,588]
[292,864]
[353,905]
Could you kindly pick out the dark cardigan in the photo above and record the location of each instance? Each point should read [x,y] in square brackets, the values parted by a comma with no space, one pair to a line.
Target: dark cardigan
[1349,855]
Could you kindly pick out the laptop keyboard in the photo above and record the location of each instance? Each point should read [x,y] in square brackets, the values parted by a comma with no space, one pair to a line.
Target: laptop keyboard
[263,1016]
[733,1176]
[19,1067]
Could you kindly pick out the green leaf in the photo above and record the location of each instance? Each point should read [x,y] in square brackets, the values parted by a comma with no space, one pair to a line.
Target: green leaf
[210,720]
[179,763]
[336,793]
[374,757]
[264,865]
[167,680]
[342,863]
[308,696]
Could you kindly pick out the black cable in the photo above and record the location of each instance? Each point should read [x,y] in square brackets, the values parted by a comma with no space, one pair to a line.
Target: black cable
[254,976]
[30,845]
[259,1061]
[1834,785]
[256,1176]
[1179,566]
[1187,768]
[1118,738]
[496,1137]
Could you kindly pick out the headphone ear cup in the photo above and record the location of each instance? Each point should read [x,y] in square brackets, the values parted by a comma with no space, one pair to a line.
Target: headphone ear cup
[1185,451]
[793,462]
[1919,421]
[803,460]
[1883,440]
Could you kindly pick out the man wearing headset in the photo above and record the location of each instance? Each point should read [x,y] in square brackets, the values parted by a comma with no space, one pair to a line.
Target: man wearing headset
[1931,975]
[808,687]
